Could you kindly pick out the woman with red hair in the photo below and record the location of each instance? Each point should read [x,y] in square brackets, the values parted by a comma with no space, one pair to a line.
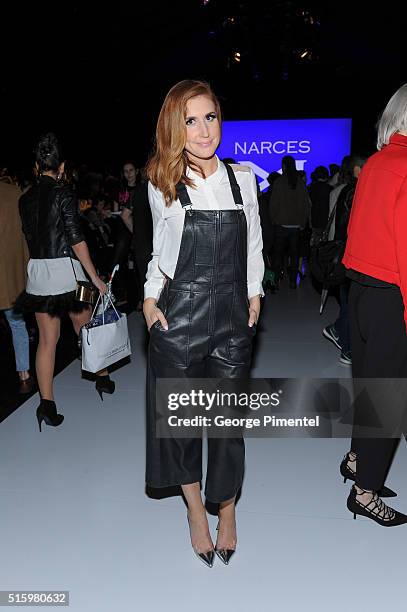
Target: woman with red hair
[202,297]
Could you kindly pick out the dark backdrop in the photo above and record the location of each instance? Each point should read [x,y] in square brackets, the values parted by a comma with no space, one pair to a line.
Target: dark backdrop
[97,75]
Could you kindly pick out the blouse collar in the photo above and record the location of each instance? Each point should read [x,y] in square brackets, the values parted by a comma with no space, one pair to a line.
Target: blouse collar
[214,179]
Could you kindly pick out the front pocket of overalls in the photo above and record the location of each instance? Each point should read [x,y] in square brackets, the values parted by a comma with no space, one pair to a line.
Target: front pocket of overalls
[163,305]
[172,344]
[154,325]
[241,336]
[165,299]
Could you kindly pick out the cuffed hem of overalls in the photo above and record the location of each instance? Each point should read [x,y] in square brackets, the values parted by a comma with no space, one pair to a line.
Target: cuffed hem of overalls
[161,485]
[223,498]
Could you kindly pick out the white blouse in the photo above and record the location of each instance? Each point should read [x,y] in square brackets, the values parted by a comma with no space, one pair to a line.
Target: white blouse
[53,276]
[212,193]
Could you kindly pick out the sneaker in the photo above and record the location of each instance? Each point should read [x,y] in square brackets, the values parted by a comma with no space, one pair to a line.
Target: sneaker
[329,332]
[346,358]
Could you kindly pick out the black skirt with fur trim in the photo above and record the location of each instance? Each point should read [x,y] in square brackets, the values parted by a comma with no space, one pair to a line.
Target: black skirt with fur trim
[54,305]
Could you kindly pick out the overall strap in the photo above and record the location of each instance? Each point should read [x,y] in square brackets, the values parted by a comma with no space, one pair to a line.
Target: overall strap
[182,194]
[185,200]
[237,196]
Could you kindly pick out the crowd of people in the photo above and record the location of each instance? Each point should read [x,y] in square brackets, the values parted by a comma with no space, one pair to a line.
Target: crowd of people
[116,222]
[106,207]
[201,245]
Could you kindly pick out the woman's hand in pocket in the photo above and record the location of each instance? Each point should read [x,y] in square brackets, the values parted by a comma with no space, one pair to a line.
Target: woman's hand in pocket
[153,314]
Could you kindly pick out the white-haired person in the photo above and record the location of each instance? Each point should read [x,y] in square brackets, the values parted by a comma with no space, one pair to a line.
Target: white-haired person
[376,259]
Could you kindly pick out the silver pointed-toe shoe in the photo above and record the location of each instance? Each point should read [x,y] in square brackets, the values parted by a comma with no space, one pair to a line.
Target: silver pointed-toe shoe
[206,557]
[224,554]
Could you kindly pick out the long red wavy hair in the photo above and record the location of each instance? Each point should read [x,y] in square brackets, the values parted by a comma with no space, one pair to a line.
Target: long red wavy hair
[168,163]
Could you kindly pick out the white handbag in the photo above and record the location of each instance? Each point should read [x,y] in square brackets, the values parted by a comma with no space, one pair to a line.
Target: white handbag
[105,339]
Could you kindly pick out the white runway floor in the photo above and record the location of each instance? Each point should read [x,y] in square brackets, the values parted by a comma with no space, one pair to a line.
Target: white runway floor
[74,515]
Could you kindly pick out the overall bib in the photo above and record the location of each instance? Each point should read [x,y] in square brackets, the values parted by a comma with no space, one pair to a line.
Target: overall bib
[206,307]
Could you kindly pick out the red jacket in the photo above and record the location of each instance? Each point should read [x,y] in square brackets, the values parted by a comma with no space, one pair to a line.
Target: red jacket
[377,231]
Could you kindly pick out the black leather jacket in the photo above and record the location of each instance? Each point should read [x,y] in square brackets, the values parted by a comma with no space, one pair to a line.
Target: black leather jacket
[50,219]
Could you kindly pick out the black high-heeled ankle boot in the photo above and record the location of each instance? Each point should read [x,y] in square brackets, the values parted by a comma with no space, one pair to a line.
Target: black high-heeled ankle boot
[47,411]
[104,385]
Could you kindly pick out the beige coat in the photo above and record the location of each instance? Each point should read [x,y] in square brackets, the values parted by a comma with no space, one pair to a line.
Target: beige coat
[13,247]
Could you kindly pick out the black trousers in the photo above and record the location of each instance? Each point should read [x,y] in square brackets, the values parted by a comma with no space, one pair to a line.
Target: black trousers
[286,238]
[342,322]
[379,350]
[187,351]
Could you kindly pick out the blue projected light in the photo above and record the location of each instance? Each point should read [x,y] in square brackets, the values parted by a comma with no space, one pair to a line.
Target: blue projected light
[262,144]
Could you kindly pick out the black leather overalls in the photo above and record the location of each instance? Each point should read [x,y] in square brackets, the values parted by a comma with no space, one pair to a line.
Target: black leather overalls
[206,307]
